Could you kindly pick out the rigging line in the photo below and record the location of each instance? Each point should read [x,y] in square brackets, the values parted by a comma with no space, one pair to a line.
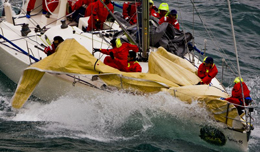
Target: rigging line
[19,39]
[138,26]
[60,18]
[24,38]
[211,34]
[11,47]
[22,10]
[235,47]
[85,82]
[24,52]
[32,20]
[92,24]
[122,27]
[185,38]
[12,30]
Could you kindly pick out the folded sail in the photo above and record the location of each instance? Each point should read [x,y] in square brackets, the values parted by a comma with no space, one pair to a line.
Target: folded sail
[167,72]
[72,58]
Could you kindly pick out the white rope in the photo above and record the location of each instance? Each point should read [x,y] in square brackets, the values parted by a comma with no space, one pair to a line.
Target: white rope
[238,67]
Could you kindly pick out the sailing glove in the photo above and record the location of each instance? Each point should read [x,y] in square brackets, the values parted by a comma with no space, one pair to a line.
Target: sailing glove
[199,83]
[96,50]
[98,24]
[111,55]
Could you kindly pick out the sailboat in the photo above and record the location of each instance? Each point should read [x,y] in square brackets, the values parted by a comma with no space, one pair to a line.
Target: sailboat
[74,66]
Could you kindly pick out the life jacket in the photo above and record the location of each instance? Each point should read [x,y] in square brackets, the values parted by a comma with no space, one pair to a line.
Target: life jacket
[207,73]
[172,21]
[133,66]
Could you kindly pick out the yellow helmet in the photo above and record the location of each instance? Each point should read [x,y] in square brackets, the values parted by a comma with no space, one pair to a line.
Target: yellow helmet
[237,80]
[151,1]
[118,43]
[163,6]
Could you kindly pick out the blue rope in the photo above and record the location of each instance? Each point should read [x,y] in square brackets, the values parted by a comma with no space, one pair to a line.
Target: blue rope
[117,5]
[196,49]
[17,47]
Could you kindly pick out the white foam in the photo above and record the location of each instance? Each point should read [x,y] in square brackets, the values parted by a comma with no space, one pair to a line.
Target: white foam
[97,116]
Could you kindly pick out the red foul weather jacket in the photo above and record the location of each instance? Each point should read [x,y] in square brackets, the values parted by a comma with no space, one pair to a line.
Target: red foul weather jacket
[120,55]
[123,65]
[129,11]
[99,13]
[207,73]
[237,97]
[133,66]
[50,49]
[76,4]
[172,21]
[122,52]
[153,13]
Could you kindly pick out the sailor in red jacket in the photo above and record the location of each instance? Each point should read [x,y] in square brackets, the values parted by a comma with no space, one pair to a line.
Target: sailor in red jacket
[76,4]
[132,64]
[119,51]
[51,49]
[90,8]
[163,10]
[129,65]
[99,15]
[171,19]
[207,71]
[153,9]
[237,97]
[130,12]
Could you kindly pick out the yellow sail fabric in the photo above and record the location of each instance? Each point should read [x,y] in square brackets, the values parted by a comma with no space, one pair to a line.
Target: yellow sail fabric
[172,68]
[210,97]
[26,87]
[71,57]
[167,72]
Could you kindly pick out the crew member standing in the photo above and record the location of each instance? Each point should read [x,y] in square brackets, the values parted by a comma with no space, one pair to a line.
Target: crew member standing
[130,12]
[207,70]
[99,15]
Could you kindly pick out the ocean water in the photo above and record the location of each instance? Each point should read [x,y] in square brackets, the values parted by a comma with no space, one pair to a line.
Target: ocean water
[119,122]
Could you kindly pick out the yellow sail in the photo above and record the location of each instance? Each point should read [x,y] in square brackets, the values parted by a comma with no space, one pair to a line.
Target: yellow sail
[167,72]
[72,58]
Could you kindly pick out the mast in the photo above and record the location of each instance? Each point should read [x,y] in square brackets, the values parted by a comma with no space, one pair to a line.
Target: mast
[145,28]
